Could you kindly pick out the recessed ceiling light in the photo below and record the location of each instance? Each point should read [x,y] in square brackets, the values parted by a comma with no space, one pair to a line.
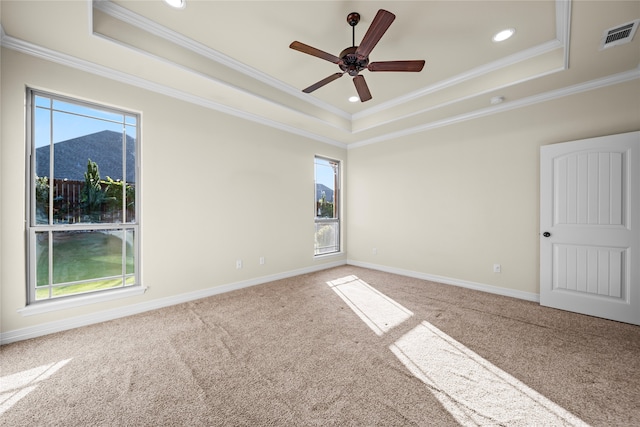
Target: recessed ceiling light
[354,99]
[178,4]
[503,35]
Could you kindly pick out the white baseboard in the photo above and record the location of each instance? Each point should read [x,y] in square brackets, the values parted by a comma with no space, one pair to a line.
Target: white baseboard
[103,316]
[128,310]
[529,296]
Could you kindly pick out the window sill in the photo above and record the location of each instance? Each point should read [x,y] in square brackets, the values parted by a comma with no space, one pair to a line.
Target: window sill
[329,255]
[79,301]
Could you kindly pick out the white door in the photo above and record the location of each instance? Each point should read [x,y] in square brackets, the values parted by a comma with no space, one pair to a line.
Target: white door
[590,226]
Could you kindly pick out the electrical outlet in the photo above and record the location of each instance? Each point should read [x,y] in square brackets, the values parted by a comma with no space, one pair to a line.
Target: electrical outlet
[497,268]
[375,251]
[238,264]
[261,260]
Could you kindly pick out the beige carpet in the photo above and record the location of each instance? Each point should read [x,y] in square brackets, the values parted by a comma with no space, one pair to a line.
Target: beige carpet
[341,347]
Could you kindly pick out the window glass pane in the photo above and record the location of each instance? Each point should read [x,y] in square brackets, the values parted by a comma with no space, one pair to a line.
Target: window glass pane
[88,169]
[68,126]
[42,258]
[83,261]
[130,246]
[41,101]
[42,138]
[130,190]
[84,255]
[42,128]
[326,183]
[41,214]
[84,110]
[84,167]
[327,238]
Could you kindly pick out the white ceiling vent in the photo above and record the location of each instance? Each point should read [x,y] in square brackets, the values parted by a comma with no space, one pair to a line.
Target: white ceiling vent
[619,35]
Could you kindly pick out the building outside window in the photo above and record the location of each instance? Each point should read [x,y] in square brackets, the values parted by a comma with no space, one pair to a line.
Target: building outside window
[327,209]
[82,212]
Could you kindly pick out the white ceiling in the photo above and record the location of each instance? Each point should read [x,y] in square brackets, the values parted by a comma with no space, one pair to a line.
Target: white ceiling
[233,56]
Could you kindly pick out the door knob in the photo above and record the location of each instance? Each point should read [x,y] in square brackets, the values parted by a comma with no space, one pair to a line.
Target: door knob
[546,234]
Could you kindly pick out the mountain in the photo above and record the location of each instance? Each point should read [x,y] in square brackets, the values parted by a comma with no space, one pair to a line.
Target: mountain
[327,192]
[71,156]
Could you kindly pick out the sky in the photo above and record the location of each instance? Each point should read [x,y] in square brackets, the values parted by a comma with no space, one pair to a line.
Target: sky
[72,121]
[324,173]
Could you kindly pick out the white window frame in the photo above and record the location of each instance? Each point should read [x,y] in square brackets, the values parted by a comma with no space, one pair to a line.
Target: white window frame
[334,248]
[131,284]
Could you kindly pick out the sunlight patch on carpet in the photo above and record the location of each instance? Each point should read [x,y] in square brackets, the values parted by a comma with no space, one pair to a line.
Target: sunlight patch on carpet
[378,311]
[469,387]
[16,386]
[473,390]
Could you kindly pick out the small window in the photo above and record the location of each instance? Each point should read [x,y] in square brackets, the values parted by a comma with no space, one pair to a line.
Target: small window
[327,209]
[83,215]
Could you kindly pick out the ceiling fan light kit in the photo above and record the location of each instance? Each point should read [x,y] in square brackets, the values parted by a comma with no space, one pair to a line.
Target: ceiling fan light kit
[355,59]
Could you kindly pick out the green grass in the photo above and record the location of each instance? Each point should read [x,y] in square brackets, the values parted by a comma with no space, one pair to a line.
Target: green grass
[98,285]
[79,256]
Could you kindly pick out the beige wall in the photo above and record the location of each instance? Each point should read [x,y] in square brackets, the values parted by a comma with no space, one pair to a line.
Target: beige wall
[214,188]
[453,201]
[448,202]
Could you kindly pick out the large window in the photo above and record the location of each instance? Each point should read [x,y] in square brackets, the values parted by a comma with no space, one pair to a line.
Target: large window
[82,225]
[327,217]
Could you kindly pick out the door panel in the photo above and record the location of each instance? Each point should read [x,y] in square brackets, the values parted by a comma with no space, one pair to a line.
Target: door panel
[591,270]
[590,208]
[588,188]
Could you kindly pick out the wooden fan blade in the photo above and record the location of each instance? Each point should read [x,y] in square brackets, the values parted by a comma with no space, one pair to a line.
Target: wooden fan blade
[322,82]
[304,48]
[411,66]
[376,30]
[362,88]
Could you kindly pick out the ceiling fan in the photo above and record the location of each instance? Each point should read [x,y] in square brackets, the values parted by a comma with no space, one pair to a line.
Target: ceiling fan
[354,59]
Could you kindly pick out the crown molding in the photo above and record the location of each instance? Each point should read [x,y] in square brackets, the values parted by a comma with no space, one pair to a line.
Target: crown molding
[457,100]
[112,74]
[222,83]
[463,77]
[152,27]
[507,106]
[106,72]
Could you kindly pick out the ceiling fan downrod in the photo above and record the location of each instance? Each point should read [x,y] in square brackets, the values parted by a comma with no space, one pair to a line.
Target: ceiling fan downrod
[353,18]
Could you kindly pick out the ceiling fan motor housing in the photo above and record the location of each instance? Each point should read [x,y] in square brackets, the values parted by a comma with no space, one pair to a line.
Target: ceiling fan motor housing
[351,63]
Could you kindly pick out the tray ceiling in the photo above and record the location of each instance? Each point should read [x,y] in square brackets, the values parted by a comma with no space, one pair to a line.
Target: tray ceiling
[234,56]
